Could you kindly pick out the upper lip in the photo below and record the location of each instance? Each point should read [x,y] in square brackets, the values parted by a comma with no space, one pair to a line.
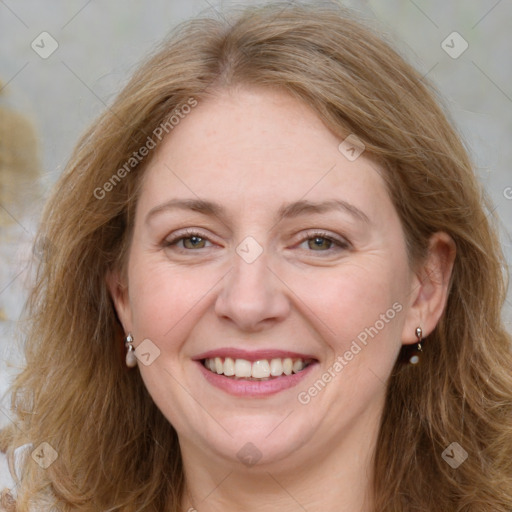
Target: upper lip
[252,355]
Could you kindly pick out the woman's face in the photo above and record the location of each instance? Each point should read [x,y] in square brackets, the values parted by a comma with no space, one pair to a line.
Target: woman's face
[261,247]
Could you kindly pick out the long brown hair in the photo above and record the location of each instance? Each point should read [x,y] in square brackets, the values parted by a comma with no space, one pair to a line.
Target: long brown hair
[115,449]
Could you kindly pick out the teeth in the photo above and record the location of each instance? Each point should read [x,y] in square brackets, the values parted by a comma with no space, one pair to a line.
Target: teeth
[229,367]
[287,366]
[261,369]
[242,368]
[276,367]
[298,365]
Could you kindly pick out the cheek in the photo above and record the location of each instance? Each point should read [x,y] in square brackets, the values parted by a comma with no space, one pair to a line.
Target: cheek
[360,300]
[163,298]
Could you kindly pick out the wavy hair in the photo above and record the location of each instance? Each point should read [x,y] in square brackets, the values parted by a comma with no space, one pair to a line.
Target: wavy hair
[116,451]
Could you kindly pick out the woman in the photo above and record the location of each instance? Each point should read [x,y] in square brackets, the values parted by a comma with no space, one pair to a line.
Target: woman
[272,285]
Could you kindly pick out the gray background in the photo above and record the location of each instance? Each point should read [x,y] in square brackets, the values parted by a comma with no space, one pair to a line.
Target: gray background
[101,42]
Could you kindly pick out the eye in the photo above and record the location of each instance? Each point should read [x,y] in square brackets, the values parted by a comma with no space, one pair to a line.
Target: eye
[323,242]
[193,242]
[188,240]
[319,243]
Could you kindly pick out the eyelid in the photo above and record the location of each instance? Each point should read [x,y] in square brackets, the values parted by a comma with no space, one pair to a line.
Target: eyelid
[339,241]
[185,233]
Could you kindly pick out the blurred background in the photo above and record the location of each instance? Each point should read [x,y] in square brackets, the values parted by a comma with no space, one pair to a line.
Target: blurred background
[62,63]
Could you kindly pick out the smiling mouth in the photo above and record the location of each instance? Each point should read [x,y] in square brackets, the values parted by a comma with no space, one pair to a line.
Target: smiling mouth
[260,370]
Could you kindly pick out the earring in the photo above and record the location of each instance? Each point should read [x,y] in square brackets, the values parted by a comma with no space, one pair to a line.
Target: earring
[415,357]
[131,360]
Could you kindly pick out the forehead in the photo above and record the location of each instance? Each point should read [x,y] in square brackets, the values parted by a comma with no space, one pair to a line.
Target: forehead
[259,146]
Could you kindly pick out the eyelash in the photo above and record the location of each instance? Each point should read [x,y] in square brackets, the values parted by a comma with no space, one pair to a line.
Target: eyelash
[340,244]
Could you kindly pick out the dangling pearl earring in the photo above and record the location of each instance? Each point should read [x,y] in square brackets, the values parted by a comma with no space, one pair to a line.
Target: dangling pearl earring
[415,357]
[131,360]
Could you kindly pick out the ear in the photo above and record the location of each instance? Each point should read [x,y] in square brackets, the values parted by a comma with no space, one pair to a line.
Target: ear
[429,288]
[118,288]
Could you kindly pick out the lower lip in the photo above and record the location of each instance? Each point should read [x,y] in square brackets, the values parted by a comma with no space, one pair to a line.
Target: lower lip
[253,388]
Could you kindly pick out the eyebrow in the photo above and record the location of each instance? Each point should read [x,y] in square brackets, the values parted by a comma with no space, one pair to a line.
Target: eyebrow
[290,210]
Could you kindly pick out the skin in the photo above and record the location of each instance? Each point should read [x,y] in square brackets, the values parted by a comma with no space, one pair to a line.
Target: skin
[252,151]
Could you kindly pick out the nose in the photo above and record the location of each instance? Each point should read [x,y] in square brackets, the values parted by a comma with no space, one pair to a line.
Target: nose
[252,296]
